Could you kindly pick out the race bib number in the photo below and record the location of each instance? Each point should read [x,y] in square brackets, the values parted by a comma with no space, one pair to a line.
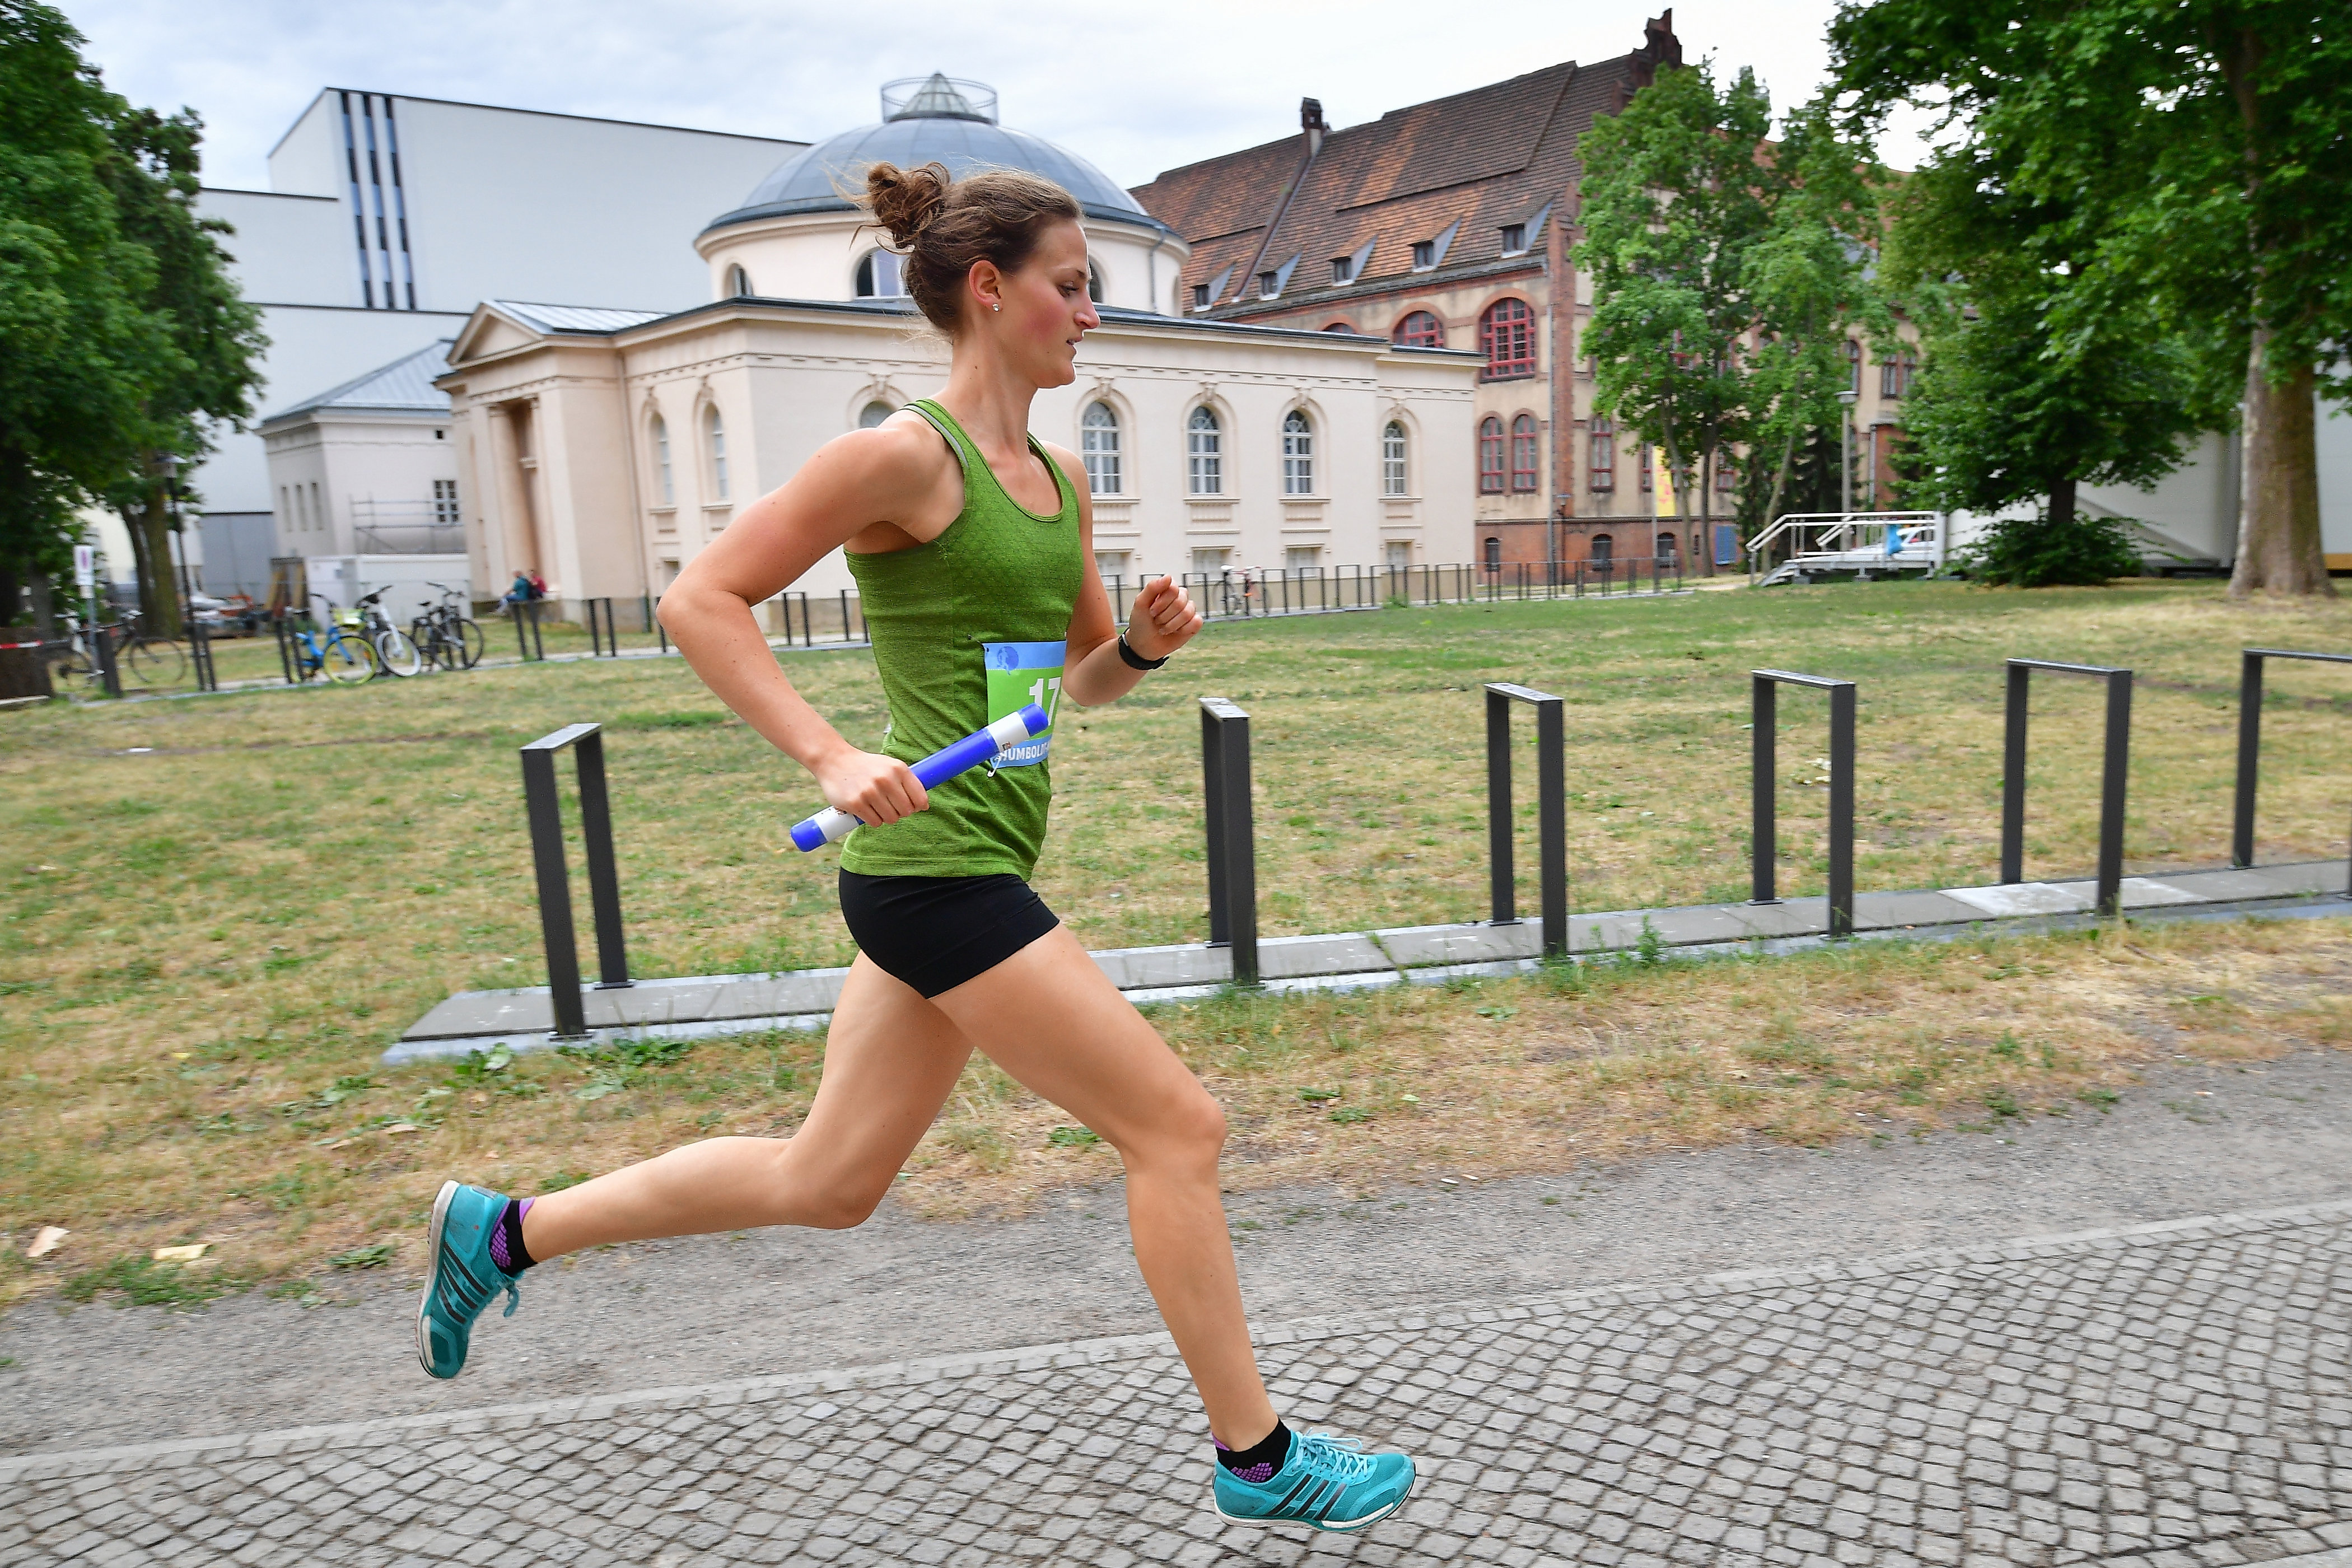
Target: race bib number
[1020,673]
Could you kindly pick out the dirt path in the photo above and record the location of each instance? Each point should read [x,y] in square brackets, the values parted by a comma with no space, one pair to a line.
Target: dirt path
[2193,1139]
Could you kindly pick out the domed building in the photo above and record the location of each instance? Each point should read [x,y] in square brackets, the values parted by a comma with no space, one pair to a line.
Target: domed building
[605,447]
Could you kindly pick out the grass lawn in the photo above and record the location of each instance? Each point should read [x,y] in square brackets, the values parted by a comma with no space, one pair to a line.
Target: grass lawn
[206,943]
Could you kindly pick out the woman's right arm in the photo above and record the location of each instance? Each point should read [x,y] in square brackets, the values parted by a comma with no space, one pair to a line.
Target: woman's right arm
[889,475]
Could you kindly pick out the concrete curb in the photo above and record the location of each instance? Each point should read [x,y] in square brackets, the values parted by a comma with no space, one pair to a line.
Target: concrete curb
[507,1418]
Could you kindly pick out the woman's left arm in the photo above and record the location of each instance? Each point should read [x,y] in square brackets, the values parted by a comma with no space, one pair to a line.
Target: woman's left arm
[1162,619]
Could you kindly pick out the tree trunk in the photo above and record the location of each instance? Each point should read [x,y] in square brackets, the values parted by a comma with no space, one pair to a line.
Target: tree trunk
[2061,503]
[2278,505]
[159,584]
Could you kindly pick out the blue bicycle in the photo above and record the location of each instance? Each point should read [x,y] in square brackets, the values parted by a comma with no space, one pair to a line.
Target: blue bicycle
[340,653]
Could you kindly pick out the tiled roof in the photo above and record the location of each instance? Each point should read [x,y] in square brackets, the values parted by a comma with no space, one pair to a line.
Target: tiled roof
[406,384]
[1472,162]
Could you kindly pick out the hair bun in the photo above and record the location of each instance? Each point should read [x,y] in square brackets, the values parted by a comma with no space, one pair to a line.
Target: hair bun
[905,201]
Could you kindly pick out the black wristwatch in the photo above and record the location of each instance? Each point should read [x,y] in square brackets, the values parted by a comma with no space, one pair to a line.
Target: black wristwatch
[1136,660]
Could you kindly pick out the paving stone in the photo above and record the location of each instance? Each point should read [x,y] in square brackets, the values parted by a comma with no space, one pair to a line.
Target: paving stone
[2169,1397]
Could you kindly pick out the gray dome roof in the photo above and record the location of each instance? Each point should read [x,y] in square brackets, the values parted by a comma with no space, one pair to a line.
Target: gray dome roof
[936,121]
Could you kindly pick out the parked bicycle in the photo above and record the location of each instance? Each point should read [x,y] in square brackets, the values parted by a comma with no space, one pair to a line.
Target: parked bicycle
[340,653]
[139,656]
[395,654]
[445,635]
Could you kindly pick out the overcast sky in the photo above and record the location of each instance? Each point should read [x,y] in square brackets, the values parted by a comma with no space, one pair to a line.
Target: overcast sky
[1135,88]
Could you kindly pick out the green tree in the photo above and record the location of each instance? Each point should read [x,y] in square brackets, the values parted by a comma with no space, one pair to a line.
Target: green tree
[1674,199]
[2040,375]
[2211,141]
[78,351]
[210,370]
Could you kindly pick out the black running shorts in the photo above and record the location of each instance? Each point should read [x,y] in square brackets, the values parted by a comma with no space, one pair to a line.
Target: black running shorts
[936,933]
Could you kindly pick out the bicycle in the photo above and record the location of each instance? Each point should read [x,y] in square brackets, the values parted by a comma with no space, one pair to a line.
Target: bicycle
[341,655]
[152,660]
[445,636]
[395,654]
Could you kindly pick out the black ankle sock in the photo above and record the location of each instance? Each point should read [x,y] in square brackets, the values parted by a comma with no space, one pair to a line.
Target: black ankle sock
[506,1249]
[1260,1461]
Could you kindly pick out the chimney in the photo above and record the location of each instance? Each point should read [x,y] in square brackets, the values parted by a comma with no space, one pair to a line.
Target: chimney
[1310,120]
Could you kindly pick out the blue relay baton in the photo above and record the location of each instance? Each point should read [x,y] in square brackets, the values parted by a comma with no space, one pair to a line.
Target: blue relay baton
[830,826]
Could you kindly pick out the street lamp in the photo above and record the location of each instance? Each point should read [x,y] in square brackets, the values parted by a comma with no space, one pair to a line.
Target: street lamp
[1845,450]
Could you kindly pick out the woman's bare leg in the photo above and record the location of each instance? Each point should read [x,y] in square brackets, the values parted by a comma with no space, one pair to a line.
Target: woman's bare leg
[890,1060]
[1048,1016]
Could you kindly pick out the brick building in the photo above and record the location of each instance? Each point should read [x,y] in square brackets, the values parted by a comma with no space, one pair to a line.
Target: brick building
[1448,225]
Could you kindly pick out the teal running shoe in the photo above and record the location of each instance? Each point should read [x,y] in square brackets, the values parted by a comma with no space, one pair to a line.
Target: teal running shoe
[465,1278]
[1328,1482]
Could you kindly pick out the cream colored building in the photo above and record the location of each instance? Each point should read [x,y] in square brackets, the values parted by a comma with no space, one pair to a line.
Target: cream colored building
[605,447]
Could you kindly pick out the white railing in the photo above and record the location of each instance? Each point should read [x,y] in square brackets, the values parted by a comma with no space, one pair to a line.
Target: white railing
[1849,542]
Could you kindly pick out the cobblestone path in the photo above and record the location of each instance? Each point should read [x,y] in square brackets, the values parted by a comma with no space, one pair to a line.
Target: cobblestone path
[2177,1395]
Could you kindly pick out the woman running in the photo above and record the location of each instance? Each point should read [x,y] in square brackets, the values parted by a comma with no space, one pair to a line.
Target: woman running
[970,541]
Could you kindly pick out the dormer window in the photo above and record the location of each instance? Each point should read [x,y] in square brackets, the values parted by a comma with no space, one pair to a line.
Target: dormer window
[1515,238]
[739,282]
[1343,268]
[878,276]
[1425,255]
[1200,296]
[1269,284]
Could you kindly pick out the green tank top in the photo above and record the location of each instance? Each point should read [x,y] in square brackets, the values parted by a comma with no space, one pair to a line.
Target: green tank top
[966,629]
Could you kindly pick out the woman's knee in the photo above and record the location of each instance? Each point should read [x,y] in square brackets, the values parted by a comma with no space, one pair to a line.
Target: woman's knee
[1192,1127]
[845,1208]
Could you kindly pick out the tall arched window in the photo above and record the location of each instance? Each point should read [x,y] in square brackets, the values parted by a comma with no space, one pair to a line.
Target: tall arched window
[665,487]
[878,276]
[1395,476]
[1490,455]
[1298,454]
[1419,331]
[1204,453]
[714,436]
[1493,553]
[1507,336]
[1667,547]
[1853,364]
[1523,454]
[1093,281]
[873,413]
[1603,463]
[739,282]
[1604,548]
[1098,444]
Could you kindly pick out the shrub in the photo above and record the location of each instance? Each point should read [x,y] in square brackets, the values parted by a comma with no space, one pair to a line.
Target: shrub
[2034,553]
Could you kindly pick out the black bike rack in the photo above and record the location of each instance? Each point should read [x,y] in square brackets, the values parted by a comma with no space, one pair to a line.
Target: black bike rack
[545,811]
[1233,854]
[1551,809]
[2115,769]
[606,644]
[200,655]
[527,633]
[1765,706]
[2250,745]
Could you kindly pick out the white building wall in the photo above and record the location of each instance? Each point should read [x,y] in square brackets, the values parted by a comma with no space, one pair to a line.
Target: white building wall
[286,250]
[369,467]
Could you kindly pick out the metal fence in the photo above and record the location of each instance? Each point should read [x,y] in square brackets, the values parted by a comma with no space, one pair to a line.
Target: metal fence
[1239,593]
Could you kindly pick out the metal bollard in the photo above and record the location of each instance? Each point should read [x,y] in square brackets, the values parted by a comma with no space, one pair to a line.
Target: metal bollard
[2115,769]
[545,812]
[110,665]
[1764,710]
[2250,744]
[1551,810]
[1233,853]
[200,651]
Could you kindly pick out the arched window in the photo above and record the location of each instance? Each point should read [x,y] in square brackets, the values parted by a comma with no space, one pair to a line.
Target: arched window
[1393,453]
[1419,331]
[1490,455]
[1853,364]
[1339,327]
[1523,454]
[878,276]
[739,282]
[714,435]
[1493,553]
[1604,548]
[1667,547]
[1093,281]
[1098,444]
[665,487]
[1507,336]
[1603,463]
[873,413]
[1298,454]
[1204,452]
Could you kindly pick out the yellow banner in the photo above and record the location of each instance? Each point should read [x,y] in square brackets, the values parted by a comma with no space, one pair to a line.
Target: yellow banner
[1661,484]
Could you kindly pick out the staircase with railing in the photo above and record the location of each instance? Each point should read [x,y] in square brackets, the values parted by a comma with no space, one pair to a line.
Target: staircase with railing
[1861,544]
